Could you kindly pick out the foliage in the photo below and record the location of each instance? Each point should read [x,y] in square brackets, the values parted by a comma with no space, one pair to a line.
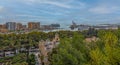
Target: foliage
[31,60]
[15,60]
[73,51]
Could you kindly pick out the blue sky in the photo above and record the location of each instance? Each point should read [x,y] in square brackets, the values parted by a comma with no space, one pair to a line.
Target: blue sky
[60,11]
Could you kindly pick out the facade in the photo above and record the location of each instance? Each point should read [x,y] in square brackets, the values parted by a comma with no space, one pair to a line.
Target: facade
[55,25]
[106,27]
[19,26]
[3,28]
[98,27]
[46,27]
[83,27]
[50,27]
[33,25]
[11,26]
[24,27]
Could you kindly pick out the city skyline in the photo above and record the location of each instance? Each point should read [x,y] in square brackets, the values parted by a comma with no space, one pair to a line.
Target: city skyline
[62,11]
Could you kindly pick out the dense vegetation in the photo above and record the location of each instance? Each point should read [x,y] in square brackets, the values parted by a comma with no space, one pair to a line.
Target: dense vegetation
[15,42]
[19,59]
[75,51]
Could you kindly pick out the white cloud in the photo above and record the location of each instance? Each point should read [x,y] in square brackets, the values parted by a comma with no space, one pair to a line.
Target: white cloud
[50,2]
[26,15]
[59,3]
[104,9]
[1,8]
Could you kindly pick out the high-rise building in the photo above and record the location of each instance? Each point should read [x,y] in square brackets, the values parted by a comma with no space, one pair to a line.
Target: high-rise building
[34,25]
[11,26]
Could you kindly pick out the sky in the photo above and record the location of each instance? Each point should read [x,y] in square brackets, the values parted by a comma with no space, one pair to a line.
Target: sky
[60,11]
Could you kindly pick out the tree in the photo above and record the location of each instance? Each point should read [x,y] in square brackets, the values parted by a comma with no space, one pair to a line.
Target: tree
[31,60]
[97,57]
[71,51]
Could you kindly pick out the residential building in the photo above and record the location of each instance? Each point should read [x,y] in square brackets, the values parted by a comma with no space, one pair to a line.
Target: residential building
[50,27]
[11,26]
[33,25]
[3,28]
[24,27]
[83,27]
[55,25]
[105,27]
[19,26]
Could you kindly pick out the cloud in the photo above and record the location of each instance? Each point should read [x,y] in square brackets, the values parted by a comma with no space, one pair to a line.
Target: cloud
[104,9]
[26,15]
[58,4]
[1,8]
[50,2]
